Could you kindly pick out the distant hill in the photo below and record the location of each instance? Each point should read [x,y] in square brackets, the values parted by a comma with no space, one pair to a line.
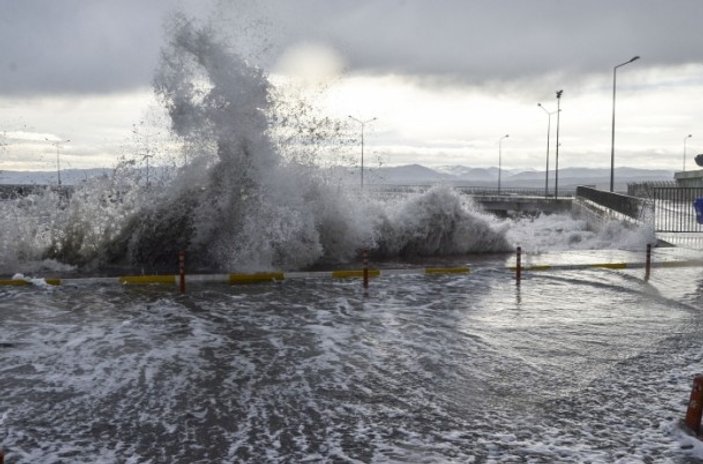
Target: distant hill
[466,172]
[488,177]
[68,176]
[591,173]
[412,174]
[408,174]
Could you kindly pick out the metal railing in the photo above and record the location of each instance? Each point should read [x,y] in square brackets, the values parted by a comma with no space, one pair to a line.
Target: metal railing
[523,191]
[646,189]
[474,190]
[672,205]
[674,210]
[12,191]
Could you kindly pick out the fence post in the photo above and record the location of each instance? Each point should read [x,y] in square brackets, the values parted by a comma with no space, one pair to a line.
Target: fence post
[181,272]
[695,405]
[518,266]
[648,265]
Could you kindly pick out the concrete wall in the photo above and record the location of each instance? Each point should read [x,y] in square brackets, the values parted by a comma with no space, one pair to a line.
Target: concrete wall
[689,178]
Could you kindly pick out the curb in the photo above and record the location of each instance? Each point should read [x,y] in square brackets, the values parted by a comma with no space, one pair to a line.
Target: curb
[243,278]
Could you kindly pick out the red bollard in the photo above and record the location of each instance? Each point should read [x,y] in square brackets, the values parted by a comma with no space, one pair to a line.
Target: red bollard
[366,269]
[2,457]
[181,272]
[518,266]
[695,405]
[648,265]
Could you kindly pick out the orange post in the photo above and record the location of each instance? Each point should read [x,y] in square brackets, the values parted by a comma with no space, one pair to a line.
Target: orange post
[518,266]
[695,405]
[366,269]
[181,272]
[648,265]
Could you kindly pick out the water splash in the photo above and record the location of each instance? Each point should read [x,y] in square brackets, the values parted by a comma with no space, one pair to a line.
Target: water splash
[246,206]
[240,203]
[439,222]
[559,232]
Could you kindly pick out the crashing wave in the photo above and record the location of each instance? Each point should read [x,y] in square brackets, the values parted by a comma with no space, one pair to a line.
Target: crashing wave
[239,204]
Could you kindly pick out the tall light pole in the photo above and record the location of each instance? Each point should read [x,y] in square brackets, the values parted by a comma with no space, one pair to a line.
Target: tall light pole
[556,167]
[500,157]
[58,162]
[546,169]
[612,133]
[685,139]
[362,123]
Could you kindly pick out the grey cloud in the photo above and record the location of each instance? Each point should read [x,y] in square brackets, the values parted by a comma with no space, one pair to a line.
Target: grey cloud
[79,46]
[101,45]
[501,39]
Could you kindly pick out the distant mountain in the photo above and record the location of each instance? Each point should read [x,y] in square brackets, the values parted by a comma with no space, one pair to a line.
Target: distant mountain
[487,177]
[467,172]
[68,176]
[591,173]
[408,174]
[412,174]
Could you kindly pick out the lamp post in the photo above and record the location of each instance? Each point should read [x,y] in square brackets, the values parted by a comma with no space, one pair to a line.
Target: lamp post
[500,158]
[58,162]
[556,167]
[685,139]
[362,123]
[546,169]
[612,133]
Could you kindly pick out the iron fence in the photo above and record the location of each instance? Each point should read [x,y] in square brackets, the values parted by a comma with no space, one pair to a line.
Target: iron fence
[474,190]
[673,205]
[646,189]
[13,191]
[674,210]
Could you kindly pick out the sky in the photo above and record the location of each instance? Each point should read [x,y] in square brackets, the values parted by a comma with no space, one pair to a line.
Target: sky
[446,79]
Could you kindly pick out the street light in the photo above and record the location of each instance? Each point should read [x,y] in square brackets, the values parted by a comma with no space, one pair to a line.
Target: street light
[500,158]
[556,167]
[362,123]
[612,136]
[685,139]
[58,163]
[546,169]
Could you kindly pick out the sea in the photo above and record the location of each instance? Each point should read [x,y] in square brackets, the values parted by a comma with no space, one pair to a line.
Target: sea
[576,364]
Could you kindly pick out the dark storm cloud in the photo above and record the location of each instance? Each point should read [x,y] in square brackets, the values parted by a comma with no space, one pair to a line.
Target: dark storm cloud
[80,46]
[500,39]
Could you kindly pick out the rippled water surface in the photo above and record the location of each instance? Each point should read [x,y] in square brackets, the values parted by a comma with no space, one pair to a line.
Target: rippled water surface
[572,366]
